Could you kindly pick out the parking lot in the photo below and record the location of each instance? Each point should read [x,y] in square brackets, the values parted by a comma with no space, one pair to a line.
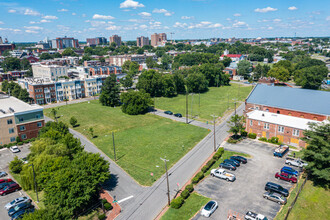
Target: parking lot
[245,194]
[5,157]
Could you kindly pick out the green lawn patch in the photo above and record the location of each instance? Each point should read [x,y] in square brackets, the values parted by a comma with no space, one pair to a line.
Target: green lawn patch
[214,102]
[191,206]
[140,140]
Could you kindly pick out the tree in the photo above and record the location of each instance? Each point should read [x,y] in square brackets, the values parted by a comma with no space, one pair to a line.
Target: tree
[5,86]
[54,113]
[16,165]
[166,61]
[179,83]
[16,91]
[110,92]
[287,64]
[168,84]
[196,82]
[25,64]
[279,73]
[102,59]
[68,52]
[236,123]
[317,153]
[311,77]
[260,71]
[127,81]
[244,68]
[135,102]
[91,131]
[226,61]
[45,56]
[73,121]
[24,95]
[151,82]
[133,69]
[151,63]
[11,63]
[57,55]
[140,51]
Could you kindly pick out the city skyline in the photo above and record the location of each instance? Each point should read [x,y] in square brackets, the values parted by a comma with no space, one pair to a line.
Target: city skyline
[187,19]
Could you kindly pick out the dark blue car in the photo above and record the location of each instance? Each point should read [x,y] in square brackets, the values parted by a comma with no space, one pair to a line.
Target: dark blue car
[227,166]
[289,170]
[19,207]
[233,162]
[20,213]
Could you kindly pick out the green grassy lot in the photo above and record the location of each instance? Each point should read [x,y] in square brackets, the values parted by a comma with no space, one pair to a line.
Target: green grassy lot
[140,140]
[213,102]
[313,203]
[191,206]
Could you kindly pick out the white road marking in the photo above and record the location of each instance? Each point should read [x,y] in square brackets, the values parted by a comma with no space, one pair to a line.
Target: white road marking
[127,198]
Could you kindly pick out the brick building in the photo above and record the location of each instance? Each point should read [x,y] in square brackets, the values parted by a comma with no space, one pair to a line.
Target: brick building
[141,41]
[96,41]
[65,42]
[116,39]
[158,39]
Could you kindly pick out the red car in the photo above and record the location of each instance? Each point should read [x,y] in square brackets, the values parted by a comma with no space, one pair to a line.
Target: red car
[5,180]
[286,177]
[9,189]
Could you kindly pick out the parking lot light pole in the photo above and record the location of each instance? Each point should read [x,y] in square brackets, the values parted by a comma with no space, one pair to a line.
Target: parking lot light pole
[114,146]
[214,140]
[168,185]
[35,183]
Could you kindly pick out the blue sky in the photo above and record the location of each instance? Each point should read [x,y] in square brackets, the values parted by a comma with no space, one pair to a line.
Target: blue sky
[33,20]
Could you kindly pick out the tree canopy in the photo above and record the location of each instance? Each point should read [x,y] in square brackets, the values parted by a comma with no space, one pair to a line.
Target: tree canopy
[110,92]
[135,102]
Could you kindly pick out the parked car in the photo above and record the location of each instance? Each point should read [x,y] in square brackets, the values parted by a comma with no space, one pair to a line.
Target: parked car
[227,166]
[239,158]
[178,115]
[254,216]
[5,180]
[3,185]
[19,207]
[17,201]
[273,187]
[222,174]
[289,170]
[9,189]
[235,163]
[286,177]
[295,162]
[3,173]
[209,208]
[24,160]
[20,213]
[168,112]
[281,151]
[14,149]
[275,197]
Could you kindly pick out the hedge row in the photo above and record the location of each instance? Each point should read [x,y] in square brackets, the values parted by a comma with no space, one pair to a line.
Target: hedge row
[273,140]
[19,143]
[252,135]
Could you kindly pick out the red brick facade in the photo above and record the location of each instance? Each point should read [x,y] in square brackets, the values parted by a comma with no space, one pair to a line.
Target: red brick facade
[40,96]
[30,130]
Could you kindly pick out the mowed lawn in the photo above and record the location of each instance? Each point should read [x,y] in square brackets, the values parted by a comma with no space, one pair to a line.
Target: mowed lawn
[213,102]
[140,140]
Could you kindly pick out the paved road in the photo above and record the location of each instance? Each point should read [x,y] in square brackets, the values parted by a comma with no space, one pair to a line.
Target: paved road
[245,194]
[53,105]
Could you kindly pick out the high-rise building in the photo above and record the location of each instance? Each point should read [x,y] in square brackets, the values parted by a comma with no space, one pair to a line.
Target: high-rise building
[141,41]
[52,72]
[96,41]
[5,45]
[65,42]
[116,39]
[158,39]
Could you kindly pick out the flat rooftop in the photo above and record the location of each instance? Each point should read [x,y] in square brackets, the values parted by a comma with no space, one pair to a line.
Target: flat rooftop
[10,105]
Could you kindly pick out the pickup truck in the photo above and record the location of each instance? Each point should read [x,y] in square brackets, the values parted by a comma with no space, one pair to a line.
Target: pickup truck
[254,216]
[295,162]
[281,151]
[222,174]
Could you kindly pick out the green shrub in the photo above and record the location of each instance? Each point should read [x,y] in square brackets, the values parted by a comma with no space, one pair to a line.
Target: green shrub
[252,135]
[5,145]
[16,165]
[20,143]
[190,188]
[210,162]
[185,194]
[177,203]
[263,139]
[205,168]
[104,201]
[107,206]
[244,133]
[102,217]
[200,175]
[221,150]
[232,140]
[195,180]
[216,156]
[274,140]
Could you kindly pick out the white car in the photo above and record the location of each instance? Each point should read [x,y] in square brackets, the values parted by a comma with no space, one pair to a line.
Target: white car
[3,173]
[222,174]
[254,216]
[17,201]
[14,149]
[209,208]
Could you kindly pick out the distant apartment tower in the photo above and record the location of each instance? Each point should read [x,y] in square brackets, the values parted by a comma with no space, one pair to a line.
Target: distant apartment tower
[141,41]
[65,42]
[5,46]
[158,39]
[116,39]
[52,72]
[96,41]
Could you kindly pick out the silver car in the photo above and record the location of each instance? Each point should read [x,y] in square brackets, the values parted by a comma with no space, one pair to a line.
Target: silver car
[17,201]
[3,173]
[276,197]
[14,149]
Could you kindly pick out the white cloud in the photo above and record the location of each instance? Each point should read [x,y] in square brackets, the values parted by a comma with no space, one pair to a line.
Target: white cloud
[133,20]
[215,25]
[187,17]
[162,11]
[292,8]
[33,27]
[74,14]
[180,25]
[270,28]
[10,29]
[62,10]
[277,20]
[45,21]
[1,22]
[264,10]
[31,32]
[12,11]
[328,18]
[96,23]
[238,24]
[237,15]
[143,26]
[113,28]
[104,17]
[52,17]
[31,12]
[145,14]
[264,20]
[131,4]
[205,24]
[84,15]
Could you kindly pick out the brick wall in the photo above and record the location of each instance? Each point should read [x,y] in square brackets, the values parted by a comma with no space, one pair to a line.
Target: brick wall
[31,129]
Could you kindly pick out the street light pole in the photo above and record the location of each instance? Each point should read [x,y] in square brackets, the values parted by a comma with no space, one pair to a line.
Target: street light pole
[35,183]
[114,147]
[168,185]
[187,105]
[214,139]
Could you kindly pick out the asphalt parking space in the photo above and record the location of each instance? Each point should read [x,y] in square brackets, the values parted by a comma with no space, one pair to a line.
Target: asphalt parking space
[5,157]
[245,194]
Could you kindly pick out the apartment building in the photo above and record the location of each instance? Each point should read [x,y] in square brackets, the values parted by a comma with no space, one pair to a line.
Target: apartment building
[158,39]
[119,60]
[5,46]
[104,70]
[19,119]
[116,39]
[65,42]
[96,41]
[141,41]
[52,72]
[42,91]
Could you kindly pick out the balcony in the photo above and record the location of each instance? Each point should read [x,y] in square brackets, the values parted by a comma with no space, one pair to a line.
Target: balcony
[46,90]
[59,89]
[47,96]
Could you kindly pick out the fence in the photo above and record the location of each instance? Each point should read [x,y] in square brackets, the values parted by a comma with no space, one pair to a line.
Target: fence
[295,199]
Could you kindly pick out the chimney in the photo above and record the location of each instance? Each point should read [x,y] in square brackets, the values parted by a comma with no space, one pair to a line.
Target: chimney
[1,40]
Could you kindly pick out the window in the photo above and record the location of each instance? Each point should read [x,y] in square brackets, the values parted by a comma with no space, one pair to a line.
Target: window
[251,122]
[38,116]
[266,126]
[23,136]
[280,129]
[267,110]
[21,119]
[12,139]
[9,121]
[295,132]
[22,128]
[11,130]
[258,122]
[39,124]
[278,112]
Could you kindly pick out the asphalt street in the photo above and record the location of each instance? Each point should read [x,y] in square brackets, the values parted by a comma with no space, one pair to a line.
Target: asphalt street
[245,194]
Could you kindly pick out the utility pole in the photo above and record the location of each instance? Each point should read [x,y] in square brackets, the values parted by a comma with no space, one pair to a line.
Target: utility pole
[35,183]
[192,100]
[168,185]
[214,139]
[187,105]
[114,147]
[235,107]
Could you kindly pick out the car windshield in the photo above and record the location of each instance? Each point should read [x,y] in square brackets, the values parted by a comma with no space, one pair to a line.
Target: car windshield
[16,208]
[208,206]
